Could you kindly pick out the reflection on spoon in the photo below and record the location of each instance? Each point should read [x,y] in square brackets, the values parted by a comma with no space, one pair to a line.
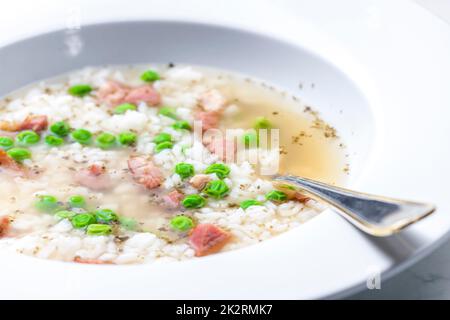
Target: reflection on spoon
[375,215]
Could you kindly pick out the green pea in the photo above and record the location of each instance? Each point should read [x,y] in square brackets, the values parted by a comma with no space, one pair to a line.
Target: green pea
[276,196]
[6,143]
[124,107]
[216,189]
[19,154]
[181,125]
[106,215]
[98,230]
[47,203]
[222,171]
[181,223]
[262,123]
[80,90]
[127,138]
[251,139]
[77,201]
[163,145]
[60,128]
[82,136]
[106,140]
[193,201]
[65,214]
[128,223]
[150,76]
[82,220]
[162,137]
[168,112]
[248,203]
[54,141]
[27,138]
[184,170]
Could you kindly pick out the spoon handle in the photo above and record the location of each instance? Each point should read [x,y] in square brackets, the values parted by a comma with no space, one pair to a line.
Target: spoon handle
[376,215]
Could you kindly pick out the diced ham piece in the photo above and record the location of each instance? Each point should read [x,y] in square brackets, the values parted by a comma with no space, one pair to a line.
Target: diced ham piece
[199,181]
[295,195]
[94,177]
[6,162]
[301,197]
[4,225]
[212,100]
[207,239]
[113,93]
[209,119]
[173,199]
[9,126]
[145,172]
[36,123]
[90,261]
[145,93]
[222,147]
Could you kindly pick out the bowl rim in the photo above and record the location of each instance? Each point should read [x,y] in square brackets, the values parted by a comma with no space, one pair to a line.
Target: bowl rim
[389,268]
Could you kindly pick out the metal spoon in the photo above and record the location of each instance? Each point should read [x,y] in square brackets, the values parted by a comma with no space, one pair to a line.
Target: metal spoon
[375,215]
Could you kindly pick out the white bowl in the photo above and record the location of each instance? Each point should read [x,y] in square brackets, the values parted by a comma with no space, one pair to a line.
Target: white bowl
[383,92]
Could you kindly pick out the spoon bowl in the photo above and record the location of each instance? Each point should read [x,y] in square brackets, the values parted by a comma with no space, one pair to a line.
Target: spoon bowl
[376,215]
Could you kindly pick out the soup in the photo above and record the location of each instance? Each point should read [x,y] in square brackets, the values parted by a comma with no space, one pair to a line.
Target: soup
[133,164]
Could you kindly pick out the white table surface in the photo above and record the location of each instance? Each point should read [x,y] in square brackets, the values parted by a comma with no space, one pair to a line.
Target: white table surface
[430,278]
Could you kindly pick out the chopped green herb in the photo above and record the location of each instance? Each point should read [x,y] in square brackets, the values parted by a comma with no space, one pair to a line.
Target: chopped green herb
[124,107]
[184,170]
[80,90]
[193,201]
[217,189]
[222,171]
[181,223]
